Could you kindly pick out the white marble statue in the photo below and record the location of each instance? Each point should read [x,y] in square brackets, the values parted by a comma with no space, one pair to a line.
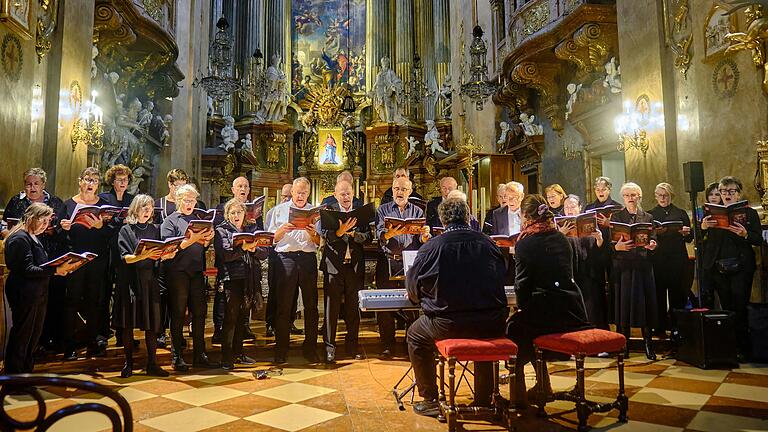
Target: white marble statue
[114,77]
[229,135]
[94,68]
[386,94]
[275,104]
[612,79]
[573,96]
[412,143]
[432,139]
[145,116]
[165,137]
[529,128]
[138,177]
[211,110]
[501,143]
[446,94]
[247,144]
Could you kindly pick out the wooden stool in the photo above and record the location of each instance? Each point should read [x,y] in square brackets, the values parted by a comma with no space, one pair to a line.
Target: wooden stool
[581,344]
[476,350]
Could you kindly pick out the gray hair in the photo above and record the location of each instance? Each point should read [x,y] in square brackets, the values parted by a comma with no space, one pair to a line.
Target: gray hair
[299,180]
[138,203]
[453,210]
[605,181]
[519,186]
[573,197]
[37,172]
[185,190]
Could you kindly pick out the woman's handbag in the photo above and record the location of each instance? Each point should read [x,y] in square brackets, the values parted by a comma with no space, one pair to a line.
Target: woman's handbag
[728,265]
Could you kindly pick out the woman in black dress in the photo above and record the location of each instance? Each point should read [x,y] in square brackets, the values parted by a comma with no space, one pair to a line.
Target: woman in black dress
[547,297]
[137,294]
[555,197]
[706,285]
[670,259]
[588,270]
[184,279]
[88,287]
[634,286]
[27,286]
[728,260]
[240,273]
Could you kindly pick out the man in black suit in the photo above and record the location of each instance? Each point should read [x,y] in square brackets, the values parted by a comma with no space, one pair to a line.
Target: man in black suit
[396,174]
[501,200]
[344,266]
[331,199]
[506,221]
[447,184]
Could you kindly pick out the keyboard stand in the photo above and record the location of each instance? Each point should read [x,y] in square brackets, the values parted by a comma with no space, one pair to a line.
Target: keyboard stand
[396,392]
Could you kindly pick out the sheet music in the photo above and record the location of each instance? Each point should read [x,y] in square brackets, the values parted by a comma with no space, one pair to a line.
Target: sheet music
[409,256]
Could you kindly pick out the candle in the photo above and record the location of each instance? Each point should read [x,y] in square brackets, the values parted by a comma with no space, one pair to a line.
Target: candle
[266,192]
[482,202]
[474,201]
[366,197]
[373,194]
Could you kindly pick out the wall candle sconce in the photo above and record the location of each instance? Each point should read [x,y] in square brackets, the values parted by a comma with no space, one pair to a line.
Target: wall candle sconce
[88,129]
[570,152]
[637,120]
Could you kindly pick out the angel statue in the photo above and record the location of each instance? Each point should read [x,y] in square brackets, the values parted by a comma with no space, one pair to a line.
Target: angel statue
[432,139]
[501,143]
[412,143]
[754,37]
[529,128]
[446,94]
[247,145]
[612,78]
[229,135]
[573,95]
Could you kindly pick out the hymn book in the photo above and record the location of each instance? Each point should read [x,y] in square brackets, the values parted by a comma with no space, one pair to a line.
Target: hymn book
[667,227]
[413,226]
[105,213]
[12,222]
[201,214]
[167,246]
[505,241]
[606,212]
[639,233]
[197,226]
[300,218]
[77,259]
[261,238]
[726,215]
[330,220]
[254,209]
[583,225]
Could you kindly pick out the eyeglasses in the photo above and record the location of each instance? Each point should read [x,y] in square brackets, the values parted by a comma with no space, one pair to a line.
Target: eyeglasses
[89,180]
[729,191]
[121,180]
[189,201]
[631,195]
[236,212]
[601,189]
[662,195]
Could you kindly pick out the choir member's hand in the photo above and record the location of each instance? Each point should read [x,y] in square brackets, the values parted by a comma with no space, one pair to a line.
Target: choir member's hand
[249,247]
[685,230]
[598,235]
[310,229]
[346,227]
[603,220]
[395,231]
[425,234]
[625,245]
[651,245]
[566,227]
[66,224]
[171,255]
[207,236]
[708,222]
[154,255]
[94,221]
[737,229]
[65,269]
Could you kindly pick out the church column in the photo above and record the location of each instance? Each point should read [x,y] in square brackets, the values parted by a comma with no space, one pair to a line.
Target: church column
[377,35]
[251,37]
[425,31]
[279,37]
[442,45]
[404,41]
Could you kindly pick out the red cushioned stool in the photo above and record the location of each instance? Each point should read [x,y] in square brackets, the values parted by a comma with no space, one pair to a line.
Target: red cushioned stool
[581,344]
[476,350]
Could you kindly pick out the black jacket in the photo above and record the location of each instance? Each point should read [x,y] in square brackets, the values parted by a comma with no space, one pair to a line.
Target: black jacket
[336,248]
[671,242]
[233,262]
[23,257]
[720,243]
[544,283]
[387,197]
[433,218]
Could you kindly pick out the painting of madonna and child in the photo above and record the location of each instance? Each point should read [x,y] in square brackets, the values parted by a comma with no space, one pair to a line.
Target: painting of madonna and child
[330,148]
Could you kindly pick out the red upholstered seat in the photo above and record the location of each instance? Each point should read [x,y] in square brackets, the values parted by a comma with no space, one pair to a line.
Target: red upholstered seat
[589,342]
[477,349]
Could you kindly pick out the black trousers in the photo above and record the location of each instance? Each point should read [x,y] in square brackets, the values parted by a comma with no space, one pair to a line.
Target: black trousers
[53,328]
[734,291]
[343,285]
[423,333]
[220,307]
[87,292]
[234,312]
[669,272]
[294,271]
[271,294]
[28,313]
[186,289]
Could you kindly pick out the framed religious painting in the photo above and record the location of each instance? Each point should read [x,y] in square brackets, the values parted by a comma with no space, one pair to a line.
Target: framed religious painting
[17,15]
[717,26]
[330,149]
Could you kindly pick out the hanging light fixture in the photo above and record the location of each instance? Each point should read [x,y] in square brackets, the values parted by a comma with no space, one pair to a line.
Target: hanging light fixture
[219,83]
[348,105]
[478,89]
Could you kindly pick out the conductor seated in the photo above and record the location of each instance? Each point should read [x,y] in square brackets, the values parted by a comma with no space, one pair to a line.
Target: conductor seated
[458,278]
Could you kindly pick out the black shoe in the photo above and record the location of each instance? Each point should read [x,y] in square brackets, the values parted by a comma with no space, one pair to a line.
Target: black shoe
[429,408]
[359,356]
[127,371]
[153,369]
[279,359]
[161,340]
[296,331]
[244,359]
[386,353]
[202,361]
[227,366]
[216,339]
[649,353]
[311,356]
[330,357]
[270,332]
[179,365]
[97,351]
[248,334]
[70,355]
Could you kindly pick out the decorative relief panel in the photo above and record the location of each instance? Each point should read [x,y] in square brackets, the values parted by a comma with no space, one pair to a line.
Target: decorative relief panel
[535,18]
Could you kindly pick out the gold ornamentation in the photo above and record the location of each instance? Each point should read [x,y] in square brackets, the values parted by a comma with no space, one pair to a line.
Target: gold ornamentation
[535,18]
[541,77]
[154,9]
[571,5]
[683,55]
[725,78]
[753,39]
[275,146]
[11,56]
[385,147]
[46,24]
[761,180]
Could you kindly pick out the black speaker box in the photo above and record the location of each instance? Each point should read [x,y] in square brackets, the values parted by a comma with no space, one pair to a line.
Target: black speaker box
[707,338]
[693,176]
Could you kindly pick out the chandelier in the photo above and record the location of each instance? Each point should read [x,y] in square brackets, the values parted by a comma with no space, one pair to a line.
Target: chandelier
[88,129]
[478,89]
[219,83]
[416,90]
[255,80]
[636,122]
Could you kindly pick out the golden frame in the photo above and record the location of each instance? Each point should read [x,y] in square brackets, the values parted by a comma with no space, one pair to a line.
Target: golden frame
[708,54]
[12,15]
[323,154]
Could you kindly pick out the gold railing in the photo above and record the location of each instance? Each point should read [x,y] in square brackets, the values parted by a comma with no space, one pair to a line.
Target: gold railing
[530,18]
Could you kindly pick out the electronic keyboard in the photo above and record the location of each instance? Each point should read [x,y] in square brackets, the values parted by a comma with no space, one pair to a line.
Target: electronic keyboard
[381,300]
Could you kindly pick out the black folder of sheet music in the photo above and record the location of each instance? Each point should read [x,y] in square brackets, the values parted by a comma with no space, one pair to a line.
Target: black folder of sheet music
[397,299]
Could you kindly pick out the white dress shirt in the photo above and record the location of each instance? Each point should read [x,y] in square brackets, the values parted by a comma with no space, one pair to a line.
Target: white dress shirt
[514,221]
[292,241]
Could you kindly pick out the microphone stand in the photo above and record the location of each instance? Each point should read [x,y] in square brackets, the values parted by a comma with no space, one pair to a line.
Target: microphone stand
[697,245]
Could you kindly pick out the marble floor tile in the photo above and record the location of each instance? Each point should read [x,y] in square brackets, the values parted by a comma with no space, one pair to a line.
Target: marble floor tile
[293,417]
[679,399]
[706,421]
[189,420]
[204,395]
[294,392]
